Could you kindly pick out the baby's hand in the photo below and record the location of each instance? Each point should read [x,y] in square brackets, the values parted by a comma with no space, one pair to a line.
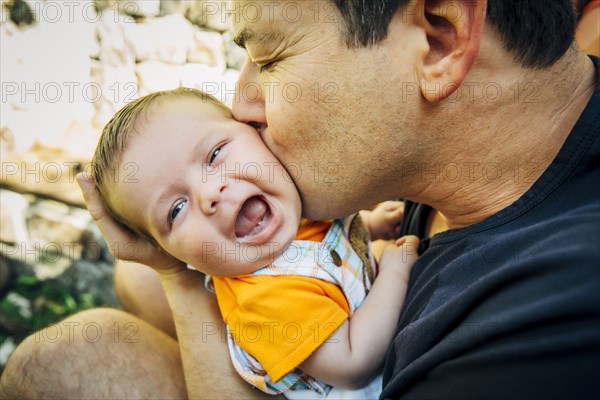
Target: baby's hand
[399,258]
[384,221]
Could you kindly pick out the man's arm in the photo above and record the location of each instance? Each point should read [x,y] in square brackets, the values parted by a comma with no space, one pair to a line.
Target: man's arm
[202,340]
[355,353]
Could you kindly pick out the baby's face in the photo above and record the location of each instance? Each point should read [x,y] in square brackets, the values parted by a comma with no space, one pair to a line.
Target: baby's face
[206,188]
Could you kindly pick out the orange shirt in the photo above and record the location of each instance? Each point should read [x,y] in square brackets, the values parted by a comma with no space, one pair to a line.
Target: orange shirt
[313,230]
[281,320]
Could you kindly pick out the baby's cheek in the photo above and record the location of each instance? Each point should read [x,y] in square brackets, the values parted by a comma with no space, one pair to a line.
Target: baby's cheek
[178,249]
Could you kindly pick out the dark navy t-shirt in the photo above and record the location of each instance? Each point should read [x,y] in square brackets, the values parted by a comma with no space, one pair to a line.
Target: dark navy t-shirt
[509,308]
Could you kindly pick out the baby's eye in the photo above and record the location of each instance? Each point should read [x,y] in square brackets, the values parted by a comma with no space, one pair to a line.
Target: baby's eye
[176,210]
[214,154]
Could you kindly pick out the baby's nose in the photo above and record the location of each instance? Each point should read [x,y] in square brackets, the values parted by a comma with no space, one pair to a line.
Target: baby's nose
[210,193]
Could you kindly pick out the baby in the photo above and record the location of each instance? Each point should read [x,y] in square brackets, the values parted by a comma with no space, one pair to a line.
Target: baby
[178,170]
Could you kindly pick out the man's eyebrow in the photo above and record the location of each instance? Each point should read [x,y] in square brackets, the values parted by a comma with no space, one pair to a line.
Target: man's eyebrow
[247,35]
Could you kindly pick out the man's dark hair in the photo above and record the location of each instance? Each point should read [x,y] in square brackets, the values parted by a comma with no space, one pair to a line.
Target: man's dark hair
[537,32]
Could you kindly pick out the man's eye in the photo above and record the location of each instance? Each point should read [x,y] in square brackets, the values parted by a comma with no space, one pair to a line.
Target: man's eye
[267,67]
[176,210]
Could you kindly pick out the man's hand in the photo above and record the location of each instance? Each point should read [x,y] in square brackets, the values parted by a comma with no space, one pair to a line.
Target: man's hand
[122,243]
[384,221]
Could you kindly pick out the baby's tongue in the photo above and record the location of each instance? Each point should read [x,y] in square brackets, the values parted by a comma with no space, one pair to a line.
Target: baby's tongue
[253,210]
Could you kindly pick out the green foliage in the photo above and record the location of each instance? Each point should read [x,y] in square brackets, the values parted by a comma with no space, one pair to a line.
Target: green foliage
[20,12]
[49,302]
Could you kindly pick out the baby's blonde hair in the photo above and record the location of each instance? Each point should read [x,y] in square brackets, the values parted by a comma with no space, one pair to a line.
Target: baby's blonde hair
[114,141]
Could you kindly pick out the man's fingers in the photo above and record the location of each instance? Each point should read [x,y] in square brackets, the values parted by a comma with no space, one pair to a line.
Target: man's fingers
[92,201]
[122,243]
[112,231]
[92,198]
[85,182]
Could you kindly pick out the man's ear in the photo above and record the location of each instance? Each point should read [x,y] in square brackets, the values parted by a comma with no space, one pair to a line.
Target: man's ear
[453,29]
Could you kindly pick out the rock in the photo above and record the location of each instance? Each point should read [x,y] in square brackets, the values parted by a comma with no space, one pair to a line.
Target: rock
[56,227]
[50,265]
[6,350]
[208,48]
[47,172]
[76,141]
[219,21]
[16,267]
[54,241]
[42,261]
[212,81]
[211,14]
[167,39]
[5,15]
[135,8]
[118,85]
[44,72]
[154,76]
[144,8]
[114,50]
[200,76]
[93,278]
[229,81]
[13,207]
[79,141]
[174,7]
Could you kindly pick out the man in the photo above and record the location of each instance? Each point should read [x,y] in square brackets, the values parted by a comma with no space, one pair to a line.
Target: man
[466,107]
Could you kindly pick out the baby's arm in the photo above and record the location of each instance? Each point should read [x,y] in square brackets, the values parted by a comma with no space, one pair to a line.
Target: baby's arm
[383,222]
[355,352]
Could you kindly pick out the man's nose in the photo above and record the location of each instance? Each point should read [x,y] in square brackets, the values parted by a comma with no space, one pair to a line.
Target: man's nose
[249,102]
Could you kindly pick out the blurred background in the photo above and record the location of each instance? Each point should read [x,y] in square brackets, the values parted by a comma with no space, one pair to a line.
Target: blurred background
[65,68]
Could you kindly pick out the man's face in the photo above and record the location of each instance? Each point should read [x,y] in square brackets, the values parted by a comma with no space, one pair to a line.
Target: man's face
[336,118]
[206,188]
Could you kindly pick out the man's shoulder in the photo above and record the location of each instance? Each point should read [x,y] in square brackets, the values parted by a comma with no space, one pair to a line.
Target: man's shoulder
[497,303]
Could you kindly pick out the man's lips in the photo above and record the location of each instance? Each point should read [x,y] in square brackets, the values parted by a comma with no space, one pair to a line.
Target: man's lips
[261,129]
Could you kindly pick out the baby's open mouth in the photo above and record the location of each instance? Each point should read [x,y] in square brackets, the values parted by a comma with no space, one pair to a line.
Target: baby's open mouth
[253,217]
